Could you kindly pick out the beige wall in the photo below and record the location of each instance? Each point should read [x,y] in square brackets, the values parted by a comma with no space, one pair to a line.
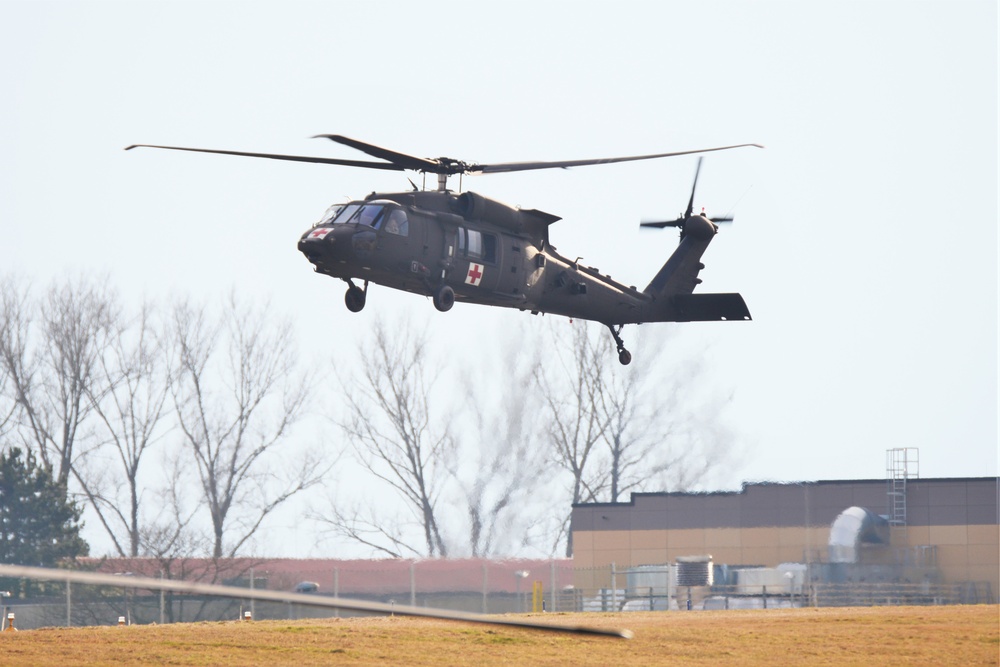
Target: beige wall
[964,553]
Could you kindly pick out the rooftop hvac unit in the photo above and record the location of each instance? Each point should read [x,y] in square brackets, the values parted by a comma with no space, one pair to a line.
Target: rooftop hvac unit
[644,580]
[694,571]
[851,529]
[786,579]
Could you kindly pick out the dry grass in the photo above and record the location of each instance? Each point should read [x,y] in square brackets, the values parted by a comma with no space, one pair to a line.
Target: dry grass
[858,636]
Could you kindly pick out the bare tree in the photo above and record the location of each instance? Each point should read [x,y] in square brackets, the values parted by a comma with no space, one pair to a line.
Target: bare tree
[50,373]
[169,535]
[13,335]
[642,408]
[135,372]
[665,431]
[231,434]
[389,426]
[500,463]
[573,393]
[370,527]
[620,429]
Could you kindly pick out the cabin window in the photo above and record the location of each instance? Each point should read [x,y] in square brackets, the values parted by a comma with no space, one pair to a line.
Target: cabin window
[489,248]
[477,245]
[474,240]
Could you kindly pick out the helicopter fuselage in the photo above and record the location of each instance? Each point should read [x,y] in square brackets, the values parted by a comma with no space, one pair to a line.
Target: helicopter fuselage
[489,253]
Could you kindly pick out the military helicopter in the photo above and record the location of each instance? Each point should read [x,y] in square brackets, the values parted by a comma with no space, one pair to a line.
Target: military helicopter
[462,246]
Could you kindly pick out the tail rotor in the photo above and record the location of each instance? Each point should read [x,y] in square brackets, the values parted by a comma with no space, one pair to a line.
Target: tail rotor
[681,221]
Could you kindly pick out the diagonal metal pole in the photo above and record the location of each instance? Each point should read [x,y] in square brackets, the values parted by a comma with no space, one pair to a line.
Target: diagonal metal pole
[190,587]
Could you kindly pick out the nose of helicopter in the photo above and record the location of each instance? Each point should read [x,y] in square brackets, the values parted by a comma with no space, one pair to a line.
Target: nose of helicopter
[324,244]
[338,243]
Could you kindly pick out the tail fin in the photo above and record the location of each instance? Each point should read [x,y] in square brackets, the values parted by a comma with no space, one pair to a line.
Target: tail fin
[680,274]
[672,286]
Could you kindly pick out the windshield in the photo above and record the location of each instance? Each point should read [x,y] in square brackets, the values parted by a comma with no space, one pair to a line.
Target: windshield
[346,212]
[369,214]
[360,214]
[385,215]
[330,214]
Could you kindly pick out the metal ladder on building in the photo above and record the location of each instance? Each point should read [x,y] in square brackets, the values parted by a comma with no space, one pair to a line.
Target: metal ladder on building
[901,464]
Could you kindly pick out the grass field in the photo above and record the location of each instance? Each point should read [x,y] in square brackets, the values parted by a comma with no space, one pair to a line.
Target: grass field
[832,636]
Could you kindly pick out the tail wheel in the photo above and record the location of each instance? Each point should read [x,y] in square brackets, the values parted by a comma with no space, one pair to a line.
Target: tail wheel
[624,356]
[444,298]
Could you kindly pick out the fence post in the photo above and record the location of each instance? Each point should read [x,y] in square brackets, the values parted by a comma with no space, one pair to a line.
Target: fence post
[413,584]
[336,589]
[69,603]
[552,592]
[253,611]
[163,594]
[614,588]
[484,586]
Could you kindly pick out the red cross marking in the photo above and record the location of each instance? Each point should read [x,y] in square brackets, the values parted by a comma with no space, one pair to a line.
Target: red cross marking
[475,274]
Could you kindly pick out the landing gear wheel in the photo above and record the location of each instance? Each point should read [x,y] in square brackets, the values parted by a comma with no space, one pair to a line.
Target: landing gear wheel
[355,299]
[624,356]
[444,298]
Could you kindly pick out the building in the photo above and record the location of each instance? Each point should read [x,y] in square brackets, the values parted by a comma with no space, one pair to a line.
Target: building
[908,531]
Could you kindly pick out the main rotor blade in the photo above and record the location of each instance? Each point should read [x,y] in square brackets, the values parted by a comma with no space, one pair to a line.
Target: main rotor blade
[526,166]
[291,158]
[312,600]
[402,160]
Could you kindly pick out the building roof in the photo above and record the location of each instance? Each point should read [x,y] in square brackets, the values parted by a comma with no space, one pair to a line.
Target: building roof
[357,577]
[929,501]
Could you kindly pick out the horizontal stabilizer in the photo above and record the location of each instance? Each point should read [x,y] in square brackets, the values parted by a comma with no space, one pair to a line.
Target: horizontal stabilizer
[710,307]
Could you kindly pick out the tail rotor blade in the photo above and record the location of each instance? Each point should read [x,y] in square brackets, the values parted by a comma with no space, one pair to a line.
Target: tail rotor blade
[680,222]
[690,208]
[660,224]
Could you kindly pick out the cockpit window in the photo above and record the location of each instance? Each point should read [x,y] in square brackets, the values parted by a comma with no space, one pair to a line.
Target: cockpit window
[397,222]
[385,216]
[330,214]
[346,212]
[366,214]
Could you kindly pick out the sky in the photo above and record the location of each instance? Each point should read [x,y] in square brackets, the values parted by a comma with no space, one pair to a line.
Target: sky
[865,240]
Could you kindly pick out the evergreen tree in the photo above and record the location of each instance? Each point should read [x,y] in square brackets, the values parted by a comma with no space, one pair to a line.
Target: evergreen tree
[38,525]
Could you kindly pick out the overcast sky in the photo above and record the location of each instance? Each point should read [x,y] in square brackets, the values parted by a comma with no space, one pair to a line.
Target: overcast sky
[865,241]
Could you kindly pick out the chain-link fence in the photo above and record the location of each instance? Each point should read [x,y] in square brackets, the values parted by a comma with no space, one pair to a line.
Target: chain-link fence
[669,587]
[471,585]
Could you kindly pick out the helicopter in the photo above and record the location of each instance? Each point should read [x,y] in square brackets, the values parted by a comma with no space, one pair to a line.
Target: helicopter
[463,246]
